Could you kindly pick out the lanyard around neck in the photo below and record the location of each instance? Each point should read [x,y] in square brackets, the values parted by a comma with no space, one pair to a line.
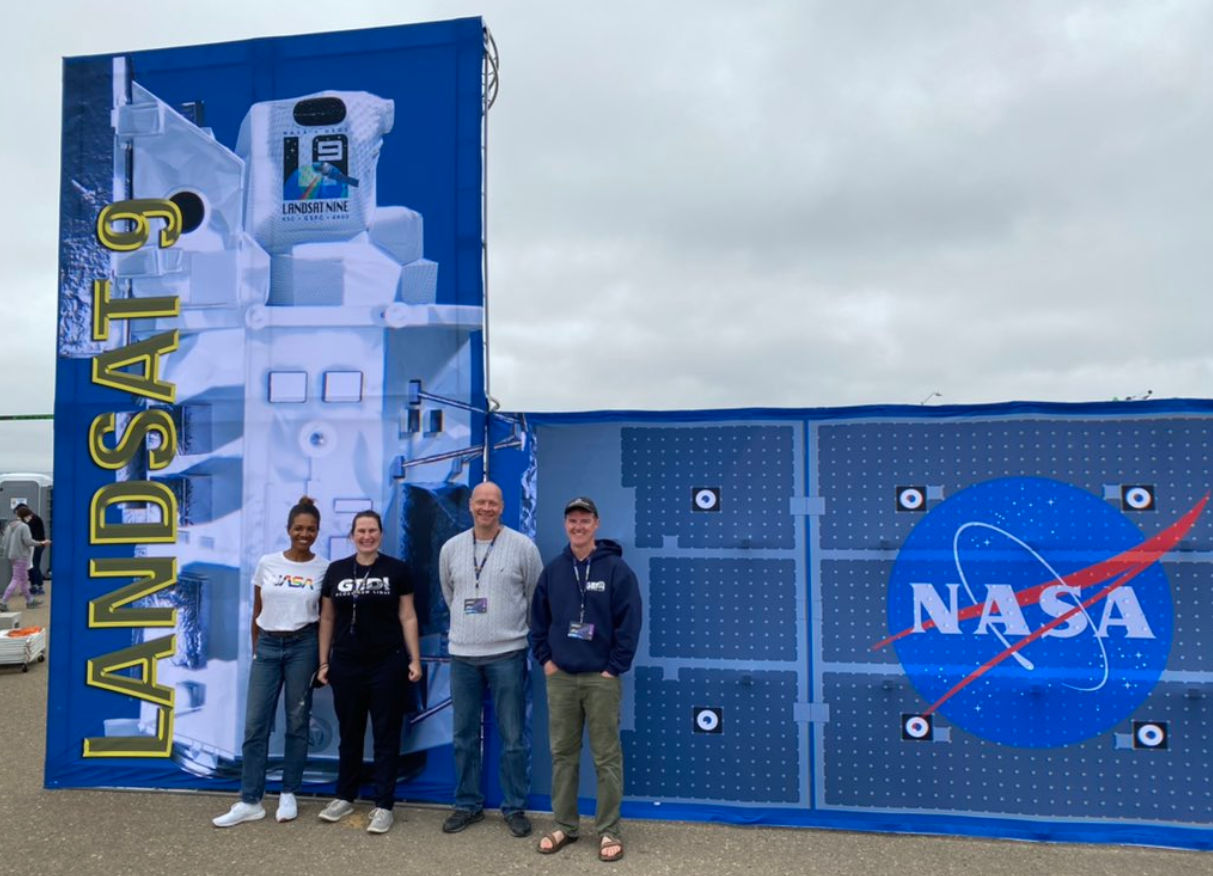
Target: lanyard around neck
[581,585]
[478,567]
[359,585]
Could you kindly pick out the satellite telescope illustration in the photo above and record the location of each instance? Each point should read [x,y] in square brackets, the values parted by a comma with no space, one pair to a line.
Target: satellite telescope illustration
[313,360]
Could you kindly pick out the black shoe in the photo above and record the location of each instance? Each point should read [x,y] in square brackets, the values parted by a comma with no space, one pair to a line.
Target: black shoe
[461,819]
[519,824]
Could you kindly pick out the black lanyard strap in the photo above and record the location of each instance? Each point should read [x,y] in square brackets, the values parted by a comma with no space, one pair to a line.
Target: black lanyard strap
[478,567]
[581,585]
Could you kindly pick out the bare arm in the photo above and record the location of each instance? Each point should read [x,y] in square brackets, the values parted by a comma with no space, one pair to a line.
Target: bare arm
[255,630]
[412,637]
[326,638]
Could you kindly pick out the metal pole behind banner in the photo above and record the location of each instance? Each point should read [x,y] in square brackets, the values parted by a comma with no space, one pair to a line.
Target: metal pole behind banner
[491,66]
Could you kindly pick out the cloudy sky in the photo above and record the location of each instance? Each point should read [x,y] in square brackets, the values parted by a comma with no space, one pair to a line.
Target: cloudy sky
[784,203]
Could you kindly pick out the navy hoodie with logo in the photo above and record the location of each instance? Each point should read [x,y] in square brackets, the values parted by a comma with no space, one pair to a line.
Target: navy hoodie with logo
[612,605]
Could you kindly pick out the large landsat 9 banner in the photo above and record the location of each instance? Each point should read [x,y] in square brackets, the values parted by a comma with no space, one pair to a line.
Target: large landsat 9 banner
[979,620]
[270,286]
[976,620]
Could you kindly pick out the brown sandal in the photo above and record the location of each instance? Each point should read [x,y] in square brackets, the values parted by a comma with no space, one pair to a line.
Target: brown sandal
[558,839]
[609,842]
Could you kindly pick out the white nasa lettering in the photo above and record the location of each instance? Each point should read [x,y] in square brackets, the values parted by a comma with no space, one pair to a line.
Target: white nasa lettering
[1124,601]
[1001,609]
[1051,604]
[946,620]
[1001,597]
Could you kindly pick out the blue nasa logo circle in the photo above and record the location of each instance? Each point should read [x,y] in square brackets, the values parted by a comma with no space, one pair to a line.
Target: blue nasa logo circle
[1013,619]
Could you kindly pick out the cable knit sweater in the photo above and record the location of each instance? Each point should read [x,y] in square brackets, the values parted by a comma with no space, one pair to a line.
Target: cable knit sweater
[507,582]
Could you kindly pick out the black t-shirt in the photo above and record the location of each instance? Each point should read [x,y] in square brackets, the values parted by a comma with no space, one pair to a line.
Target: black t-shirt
[37,529]
[366,602]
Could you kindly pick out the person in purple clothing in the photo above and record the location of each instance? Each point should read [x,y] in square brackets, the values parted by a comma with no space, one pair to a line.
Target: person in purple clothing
[18,544]
[38,530]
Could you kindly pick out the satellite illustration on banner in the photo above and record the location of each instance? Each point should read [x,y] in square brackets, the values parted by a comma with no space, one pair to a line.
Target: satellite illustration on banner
[314,360]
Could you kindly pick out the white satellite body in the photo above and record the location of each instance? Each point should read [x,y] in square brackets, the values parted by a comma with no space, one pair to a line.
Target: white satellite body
[314,360]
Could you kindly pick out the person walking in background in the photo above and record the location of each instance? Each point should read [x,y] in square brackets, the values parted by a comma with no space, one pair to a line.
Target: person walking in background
[38,530]
[586,619]
[286,615]
[488,577]
[18,544]
[370,650]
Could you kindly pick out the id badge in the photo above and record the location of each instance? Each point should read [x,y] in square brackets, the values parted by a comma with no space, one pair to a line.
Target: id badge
[585,632]
[480,605]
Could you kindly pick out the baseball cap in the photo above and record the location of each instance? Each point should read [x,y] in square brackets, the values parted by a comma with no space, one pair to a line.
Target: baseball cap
[581,503]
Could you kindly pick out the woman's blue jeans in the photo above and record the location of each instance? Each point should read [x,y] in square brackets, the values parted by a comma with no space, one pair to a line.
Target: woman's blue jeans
[278,662]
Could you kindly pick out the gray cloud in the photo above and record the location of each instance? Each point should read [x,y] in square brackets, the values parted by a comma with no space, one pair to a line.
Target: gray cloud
[781,203]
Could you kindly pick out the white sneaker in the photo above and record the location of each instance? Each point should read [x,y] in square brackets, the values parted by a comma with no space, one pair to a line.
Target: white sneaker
[381,821]
[288,809]
[336,810]
[240,813]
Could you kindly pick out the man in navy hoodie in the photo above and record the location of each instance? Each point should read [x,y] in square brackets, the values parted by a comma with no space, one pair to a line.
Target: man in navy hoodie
[585,625]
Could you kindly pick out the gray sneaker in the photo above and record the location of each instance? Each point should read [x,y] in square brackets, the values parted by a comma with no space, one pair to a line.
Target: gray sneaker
[336,810]
[381,821]
[4,607]
[33,603]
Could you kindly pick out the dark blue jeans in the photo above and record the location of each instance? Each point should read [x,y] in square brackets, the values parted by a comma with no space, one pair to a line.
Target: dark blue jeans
[35,569]
[279,661]
[506,679]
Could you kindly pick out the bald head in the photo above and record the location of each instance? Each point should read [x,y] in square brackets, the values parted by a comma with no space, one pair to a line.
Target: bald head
[487,488]
[487,504]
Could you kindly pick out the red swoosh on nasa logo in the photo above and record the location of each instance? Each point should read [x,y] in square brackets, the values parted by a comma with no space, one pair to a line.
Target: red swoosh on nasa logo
[1131,562]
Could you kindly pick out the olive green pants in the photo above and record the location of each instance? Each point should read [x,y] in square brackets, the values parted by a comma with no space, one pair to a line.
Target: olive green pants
[575,702]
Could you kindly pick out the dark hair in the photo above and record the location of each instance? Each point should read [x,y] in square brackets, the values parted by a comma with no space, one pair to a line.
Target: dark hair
[305,505]
[367,513]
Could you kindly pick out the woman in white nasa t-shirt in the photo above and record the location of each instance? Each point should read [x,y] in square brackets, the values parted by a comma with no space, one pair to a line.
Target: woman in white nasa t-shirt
[286,612]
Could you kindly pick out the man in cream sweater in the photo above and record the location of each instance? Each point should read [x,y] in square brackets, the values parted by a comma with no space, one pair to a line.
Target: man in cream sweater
[488,577]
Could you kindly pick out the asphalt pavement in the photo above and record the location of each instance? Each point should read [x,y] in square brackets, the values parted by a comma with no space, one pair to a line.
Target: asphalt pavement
[131,833]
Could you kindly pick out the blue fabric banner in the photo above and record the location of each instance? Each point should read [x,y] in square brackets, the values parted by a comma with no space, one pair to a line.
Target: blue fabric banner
[973,620]
[271,287]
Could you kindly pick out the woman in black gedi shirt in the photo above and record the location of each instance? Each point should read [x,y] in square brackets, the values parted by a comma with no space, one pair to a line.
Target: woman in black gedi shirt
[370,653]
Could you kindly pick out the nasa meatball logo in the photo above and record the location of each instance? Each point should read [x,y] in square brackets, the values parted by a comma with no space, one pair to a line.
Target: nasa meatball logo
[1032,613]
